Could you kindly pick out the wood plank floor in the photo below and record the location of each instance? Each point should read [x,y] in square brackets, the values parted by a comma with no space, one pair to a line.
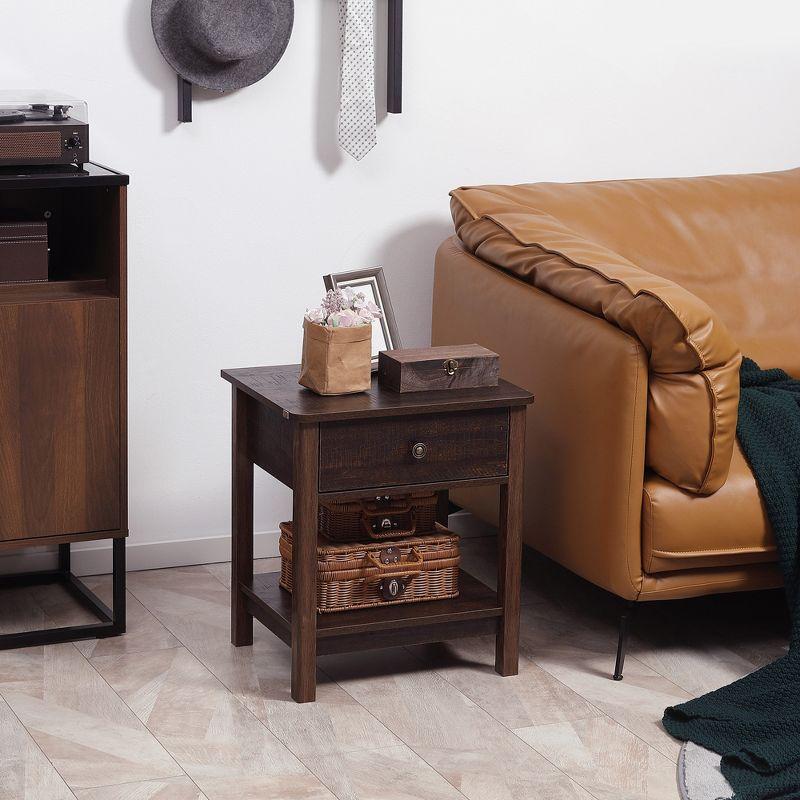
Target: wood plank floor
[171,711]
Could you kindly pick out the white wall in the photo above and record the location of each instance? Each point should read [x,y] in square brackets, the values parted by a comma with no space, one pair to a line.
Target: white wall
[235,217]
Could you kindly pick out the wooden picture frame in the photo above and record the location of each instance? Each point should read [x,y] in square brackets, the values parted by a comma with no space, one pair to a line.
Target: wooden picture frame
[372,282]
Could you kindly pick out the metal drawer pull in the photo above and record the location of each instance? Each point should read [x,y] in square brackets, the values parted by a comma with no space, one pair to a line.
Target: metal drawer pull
[450,366]
[419,451]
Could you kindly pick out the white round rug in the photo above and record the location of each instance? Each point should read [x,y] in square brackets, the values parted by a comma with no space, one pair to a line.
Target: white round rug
[699,775]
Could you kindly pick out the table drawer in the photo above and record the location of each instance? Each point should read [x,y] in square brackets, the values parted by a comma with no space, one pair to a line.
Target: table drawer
[425,448]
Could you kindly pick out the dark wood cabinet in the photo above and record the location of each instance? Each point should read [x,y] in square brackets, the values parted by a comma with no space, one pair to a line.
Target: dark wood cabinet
[63,399]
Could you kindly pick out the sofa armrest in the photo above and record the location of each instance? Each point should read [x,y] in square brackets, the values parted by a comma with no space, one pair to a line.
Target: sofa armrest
[584,458]
[693,361]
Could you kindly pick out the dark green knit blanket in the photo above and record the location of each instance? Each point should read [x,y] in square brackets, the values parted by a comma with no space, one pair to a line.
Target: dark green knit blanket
[754,723]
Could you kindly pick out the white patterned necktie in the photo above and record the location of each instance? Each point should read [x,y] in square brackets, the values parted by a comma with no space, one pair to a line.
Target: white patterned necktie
[357,123]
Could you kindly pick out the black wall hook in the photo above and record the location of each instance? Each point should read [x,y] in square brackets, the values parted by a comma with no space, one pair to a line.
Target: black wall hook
[184,100]
[394,60]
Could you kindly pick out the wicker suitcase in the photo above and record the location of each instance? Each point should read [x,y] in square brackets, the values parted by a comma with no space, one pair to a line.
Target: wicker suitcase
[371,574]
[378,518]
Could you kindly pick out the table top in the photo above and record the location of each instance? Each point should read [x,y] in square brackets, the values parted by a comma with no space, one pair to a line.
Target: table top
[277,387]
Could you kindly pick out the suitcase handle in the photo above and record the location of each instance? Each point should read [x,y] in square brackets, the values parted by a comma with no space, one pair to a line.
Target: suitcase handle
[385,562]
[386,530]
[384,506]
[396,574]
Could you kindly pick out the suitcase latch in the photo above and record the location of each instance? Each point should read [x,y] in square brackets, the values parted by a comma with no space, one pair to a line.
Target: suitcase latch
[384,525]
[392,588]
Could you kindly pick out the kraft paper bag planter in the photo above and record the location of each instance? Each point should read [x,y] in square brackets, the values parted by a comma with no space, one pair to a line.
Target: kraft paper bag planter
[336,360]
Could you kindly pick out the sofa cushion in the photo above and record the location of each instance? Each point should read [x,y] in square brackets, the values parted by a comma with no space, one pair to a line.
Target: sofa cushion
[682,530]
[731,240]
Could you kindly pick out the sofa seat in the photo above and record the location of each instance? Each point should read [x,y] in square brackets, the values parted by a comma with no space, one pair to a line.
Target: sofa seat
[682,530]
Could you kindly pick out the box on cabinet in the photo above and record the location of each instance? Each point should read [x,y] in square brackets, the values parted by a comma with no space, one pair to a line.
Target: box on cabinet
[23,252]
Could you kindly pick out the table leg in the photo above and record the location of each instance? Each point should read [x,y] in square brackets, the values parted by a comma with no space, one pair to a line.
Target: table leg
[304,562]
[241,525]
[64,558]
[509,544]
[443,507]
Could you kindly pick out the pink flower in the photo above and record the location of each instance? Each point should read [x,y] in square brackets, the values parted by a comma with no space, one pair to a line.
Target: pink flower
[366,308]
[333,301]
[345,319]
[344,308]
[373,309]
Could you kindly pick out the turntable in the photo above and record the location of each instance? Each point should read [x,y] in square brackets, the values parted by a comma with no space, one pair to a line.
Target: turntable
[42,128]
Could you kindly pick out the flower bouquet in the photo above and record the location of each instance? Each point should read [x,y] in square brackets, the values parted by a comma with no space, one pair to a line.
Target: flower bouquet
[337,343]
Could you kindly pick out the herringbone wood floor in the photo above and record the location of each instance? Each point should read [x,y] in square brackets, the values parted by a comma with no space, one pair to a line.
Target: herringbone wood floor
[172,711]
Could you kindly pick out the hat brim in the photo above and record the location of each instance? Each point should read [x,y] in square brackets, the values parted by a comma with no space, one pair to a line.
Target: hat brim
[194,66]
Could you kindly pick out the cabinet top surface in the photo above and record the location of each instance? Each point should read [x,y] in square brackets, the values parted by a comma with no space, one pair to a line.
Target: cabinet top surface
[278,388]
[59,177]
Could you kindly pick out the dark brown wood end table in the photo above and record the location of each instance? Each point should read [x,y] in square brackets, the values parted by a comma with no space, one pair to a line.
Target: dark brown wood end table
[360,445]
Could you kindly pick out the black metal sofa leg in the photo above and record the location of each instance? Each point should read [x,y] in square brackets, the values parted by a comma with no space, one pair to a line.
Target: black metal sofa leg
[622,645]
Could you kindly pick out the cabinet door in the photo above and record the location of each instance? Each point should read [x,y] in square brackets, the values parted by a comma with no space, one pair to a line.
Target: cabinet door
[59,418]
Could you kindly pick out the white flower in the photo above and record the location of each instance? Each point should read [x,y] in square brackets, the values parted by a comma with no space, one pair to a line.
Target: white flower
[316,315]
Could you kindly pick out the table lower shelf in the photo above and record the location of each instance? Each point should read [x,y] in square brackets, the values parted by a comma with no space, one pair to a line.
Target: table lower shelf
[476,611]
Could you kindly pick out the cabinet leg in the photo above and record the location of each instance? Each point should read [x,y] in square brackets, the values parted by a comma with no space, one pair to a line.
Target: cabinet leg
[241,525]
[118,586]
[304,563]
[509,544]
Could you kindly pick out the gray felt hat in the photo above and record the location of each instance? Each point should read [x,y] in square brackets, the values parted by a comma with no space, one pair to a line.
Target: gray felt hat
[222,44]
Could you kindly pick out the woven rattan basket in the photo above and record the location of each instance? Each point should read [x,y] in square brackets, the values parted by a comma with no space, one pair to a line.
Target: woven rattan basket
[371,574]
[378,518]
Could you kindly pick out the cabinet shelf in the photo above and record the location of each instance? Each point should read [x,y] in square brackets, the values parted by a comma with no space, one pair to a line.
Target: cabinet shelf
[53,291]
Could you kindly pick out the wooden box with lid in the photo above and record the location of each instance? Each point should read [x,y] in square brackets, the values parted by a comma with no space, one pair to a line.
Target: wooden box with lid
[423,369]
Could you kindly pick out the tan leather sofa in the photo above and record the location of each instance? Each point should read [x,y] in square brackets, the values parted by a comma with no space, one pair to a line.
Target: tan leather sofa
[625,307]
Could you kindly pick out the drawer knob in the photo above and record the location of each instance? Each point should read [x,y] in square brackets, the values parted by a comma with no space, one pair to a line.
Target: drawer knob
[419,451]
